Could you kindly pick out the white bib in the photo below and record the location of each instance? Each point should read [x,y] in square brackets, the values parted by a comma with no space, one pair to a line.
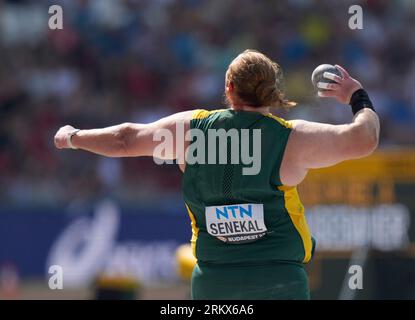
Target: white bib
[237,223]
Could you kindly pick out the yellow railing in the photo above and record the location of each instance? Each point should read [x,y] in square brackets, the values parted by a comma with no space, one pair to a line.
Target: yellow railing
[366,181]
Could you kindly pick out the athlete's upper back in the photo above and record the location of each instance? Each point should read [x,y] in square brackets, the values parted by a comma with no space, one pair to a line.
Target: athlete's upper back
[239,209]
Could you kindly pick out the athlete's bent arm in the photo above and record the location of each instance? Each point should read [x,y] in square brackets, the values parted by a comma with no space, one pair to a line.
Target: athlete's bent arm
[124,140]
[316,145]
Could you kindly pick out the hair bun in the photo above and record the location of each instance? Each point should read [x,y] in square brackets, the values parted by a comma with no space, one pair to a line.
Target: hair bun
[258,81]
[267,94]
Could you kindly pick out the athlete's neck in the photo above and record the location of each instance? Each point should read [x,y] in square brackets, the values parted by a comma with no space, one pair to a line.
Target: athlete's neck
[263,110]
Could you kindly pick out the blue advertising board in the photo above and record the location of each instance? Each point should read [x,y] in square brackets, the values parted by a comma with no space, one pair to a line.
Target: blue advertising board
[85,242]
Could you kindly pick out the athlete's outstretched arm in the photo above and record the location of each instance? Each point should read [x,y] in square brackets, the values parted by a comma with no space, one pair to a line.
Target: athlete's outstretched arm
[124,140]
[317,145]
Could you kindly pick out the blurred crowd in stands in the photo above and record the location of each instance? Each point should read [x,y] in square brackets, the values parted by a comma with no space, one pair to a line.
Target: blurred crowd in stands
[137,60]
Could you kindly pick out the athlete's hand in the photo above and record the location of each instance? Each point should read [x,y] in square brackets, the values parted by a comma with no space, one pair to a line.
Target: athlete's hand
[342,90]
[61,137]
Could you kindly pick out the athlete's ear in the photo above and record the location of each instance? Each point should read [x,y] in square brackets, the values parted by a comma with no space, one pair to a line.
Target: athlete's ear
[230,87]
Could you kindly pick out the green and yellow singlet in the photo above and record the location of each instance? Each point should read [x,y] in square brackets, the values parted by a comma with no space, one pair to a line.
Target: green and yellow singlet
[250,235]
[245,219]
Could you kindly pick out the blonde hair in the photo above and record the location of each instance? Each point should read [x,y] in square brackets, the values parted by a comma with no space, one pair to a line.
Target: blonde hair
[257,80]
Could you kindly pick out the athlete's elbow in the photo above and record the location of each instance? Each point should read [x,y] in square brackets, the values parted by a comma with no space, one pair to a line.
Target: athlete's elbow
[368,146]
[123,136]
[365,141]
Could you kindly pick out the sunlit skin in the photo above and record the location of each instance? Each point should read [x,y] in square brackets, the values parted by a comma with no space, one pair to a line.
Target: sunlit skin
[310,145]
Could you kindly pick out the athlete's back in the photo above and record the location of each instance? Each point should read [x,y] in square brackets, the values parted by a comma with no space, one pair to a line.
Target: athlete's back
[241,218]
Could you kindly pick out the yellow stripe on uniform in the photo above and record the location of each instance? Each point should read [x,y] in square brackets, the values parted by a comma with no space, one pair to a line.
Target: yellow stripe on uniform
[283,122]
[195,230]
[201,113]
[296,212]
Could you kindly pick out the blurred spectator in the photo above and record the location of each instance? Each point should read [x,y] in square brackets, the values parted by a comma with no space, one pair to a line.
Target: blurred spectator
[138,60]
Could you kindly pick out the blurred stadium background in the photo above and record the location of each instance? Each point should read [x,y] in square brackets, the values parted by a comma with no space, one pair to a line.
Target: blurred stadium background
[115,224]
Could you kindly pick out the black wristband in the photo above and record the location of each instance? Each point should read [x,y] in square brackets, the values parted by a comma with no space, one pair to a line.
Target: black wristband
[359,100]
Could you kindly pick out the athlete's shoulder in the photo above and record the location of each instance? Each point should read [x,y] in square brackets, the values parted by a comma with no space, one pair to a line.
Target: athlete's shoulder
[281,121]
[199,114]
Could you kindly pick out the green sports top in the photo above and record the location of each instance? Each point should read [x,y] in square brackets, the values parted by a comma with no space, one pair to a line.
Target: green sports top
[239,218]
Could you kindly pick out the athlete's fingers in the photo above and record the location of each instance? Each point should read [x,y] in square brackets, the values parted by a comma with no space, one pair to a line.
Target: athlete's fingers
[332,76]
[327,93]
[343,71]
[58,143]
[328,86]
